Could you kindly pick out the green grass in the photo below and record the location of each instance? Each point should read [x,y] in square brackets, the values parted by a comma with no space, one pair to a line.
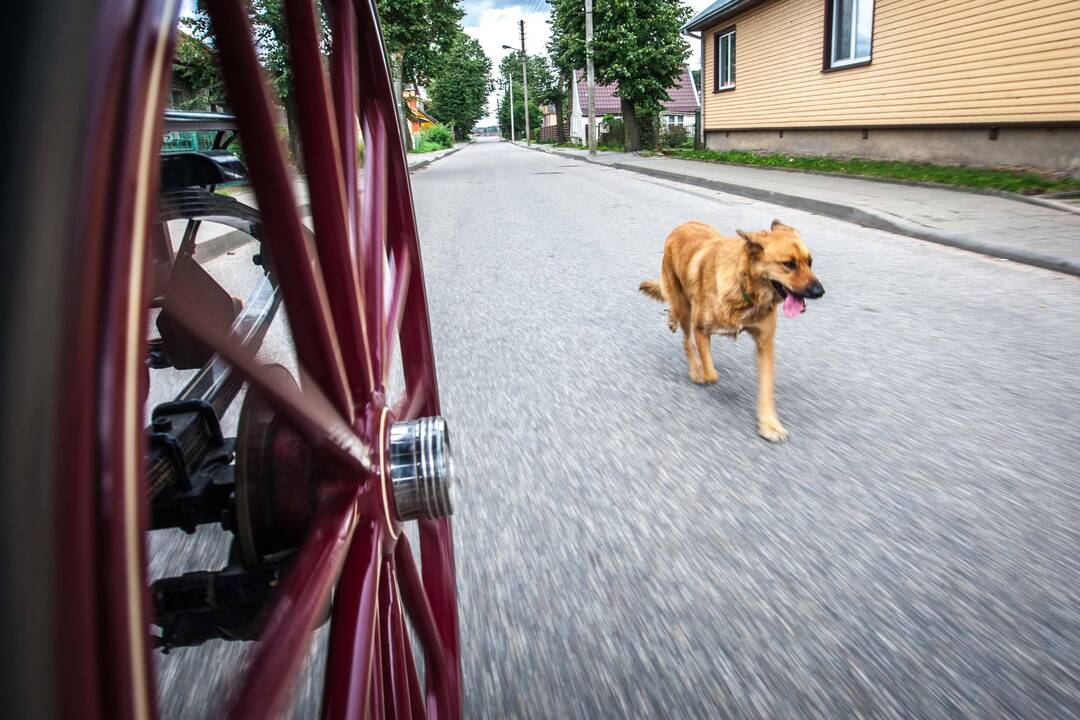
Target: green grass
[579,146]
[436,137]
[425,146]
[1019,182]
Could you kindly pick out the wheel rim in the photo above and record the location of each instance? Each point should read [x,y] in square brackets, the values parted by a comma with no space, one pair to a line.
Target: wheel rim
[344,344]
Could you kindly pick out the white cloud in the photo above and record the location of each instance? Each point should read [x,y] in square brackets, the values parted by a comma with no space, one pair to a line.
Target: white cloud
[494,26]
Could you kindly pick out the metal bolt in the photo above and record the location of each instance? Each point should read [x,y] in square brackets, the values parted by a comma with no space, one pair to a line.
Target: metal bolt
[162,424]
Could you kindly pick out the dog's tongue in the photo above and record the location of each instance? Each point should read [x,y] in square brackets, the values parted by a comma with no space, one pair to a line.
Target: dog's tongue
[793,305]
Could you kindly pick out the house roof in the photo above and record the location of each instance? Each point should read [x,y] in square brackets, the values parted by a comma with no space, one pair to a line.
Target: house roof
[681,95]
[719,10]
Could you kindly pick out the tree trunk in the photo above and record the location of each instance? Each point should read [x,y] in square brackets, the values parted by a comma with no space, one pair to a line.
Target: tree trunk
[399,93]
[559,135]
[292,124]
[632,132]
[564,126]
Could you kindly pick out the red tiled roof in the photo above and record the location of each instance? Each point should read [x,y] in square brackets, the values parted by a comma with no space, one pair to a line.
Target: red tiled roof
[681,95]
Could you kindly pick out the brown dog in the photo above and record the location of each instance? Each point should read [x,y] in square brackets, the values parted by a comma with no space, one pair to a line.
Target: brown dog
[728,285]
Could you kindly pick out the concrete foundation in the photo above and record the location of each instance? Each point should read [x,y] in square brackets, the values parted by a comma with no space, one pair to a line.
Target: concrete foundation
[1047,149]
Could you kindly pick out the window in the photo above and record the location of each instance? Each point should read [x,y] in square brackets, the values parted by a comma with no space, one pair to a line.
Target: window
[673,119]
[850,27]
[724,60]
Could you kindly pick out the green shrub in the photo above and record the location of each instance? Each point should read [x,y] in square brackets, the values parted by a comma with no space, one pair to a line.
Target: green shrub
[440,135]
[675,136]
[436,137]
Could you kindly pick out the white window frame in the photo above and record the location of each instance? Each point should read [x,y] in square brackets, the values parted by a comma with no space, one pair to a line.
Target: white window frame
[719,63]
[835,62]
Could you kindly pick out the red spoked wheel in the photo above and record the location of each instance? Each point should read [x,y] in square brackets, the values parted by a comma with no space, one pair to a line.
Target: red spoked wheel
[357,468]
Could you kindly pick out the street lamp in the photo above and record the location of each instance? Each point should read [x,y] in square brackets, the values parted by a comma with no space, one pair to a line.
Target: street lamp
[510,82]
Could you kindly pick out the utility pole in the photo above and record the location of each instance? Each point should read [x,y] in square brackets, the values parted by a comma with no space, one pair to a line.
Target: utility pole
[590,77]
[510,82]
[525,81]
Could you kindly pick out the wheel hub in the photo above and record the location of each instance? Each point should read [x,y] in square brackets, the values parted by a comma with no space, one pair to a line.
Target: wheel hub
[276,484]
[421,469]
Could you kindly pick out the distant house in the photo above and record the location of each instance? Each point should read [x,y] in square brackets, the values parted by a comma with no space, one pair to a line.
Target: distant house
[992,82]
[679,108]
[549,128]
[550,117]
[419,119]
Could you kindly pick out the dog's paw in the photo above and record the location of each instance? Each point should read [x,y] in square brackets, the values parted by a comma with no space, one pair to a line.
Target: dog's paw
[704,378]
[772,431]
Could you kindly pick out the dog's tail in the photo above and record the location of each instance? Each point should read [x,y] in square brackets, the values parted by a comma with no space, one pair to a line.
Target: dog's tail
[653,289]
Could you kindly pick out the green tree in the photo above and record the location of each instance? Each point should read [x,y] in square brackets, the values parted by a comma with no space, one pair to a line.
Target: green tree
[417,33]
[267,18]
[546,87]
[636,44]
[567,49]
[536,118]
[195,63]
[539,72]
[461,84]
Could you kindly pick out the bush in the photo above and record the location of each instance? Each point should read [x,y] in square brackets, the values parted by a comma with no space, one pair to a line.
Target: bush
[435,137]
[615,132]
[675,136]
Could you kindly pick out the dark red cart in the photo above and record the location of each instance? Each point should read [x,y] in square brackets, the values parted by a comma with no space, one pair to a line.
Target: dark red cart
[323,473]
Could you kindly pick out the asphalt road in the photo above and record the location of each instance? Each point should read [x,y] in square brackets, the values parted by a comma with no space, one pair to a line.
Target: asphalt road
[627,545]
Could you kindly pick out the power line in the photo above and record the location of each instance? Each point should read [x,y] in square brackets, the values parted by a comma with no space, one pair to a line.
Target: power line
[536,6]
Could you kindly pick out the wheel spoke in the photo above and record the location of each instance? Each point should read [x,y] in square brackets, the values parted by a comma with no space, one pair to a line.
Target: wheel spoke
[326,183]
[294,611]
[383,150]
[397,674]
[309,413]
[305,298]
[415,400]
[373,237]
[396,224]
[416,693]
[376,696]
[353,629]
[402,268]
[414,598]
[437,559]
[342,15]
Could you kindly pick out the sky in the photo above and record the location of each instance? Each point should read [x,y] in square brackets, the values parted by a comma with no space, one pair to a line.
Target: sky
[494,23]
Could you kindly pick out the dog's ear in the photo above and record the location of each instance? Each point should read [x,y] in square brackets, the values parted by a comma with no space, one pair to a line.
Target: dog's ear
[777,224]
[753,247]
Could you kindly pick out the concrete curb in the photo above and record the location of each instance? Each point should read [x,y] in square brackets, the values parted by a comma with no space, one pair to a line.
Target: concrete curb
[1029,199]
[857,215]
[448,153]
